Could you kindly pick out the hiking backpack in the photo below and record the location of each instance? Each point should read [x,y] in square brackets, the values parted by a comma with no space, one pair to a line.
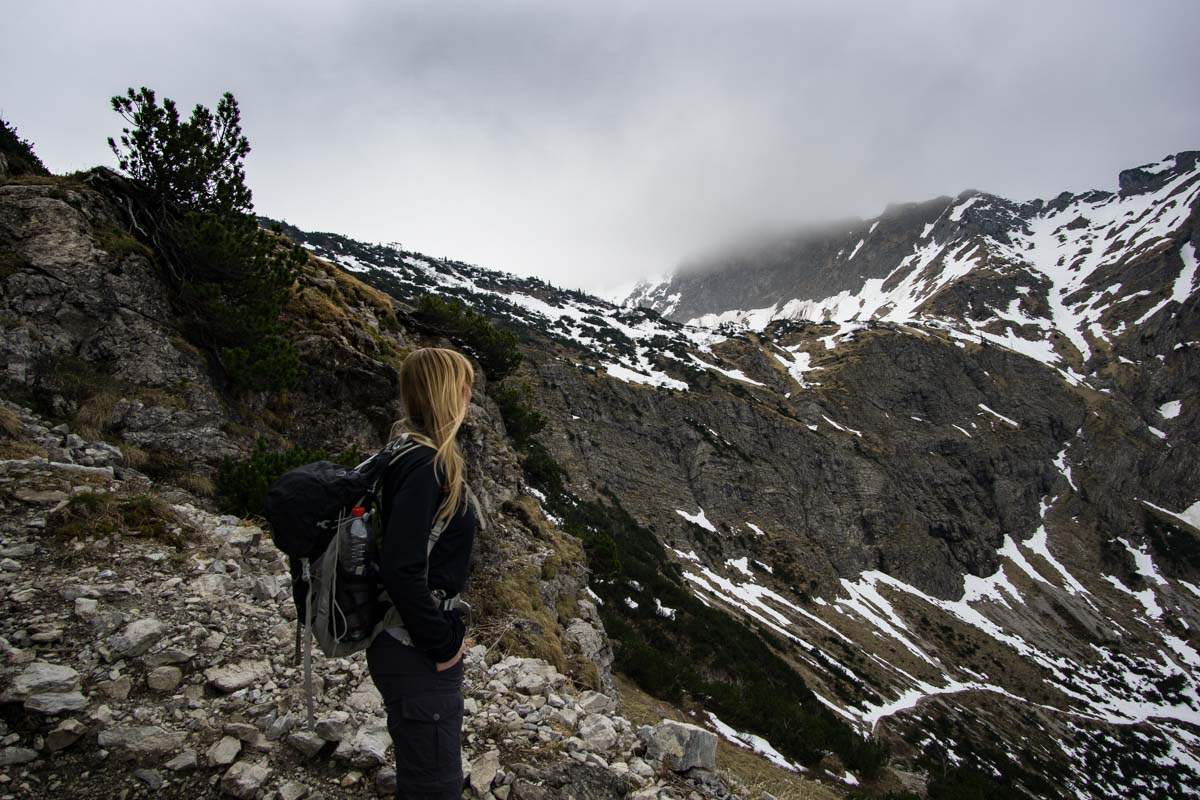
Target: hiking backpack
[309,509]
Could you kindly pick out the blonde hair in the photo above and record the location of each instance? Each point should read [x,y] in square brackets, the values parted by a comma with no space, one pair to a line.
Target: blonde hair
[431,387]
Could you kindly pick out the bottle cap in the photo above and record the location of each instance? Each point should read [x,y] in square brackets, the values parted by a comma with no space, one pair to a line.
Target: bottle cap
[358,511]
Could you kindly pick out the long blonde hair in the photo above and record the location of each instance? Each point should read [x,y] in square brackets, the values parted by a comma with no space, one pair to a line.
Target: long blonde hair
[431,387]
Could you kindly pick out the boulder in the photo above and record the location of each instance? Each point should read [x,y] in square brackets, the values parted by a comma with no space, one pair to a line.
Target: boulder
[136,741]
[41,677]
[186,760]
[332,728]
[56,702]
[307,742]
[679,745]
[164,679]
[597,732]
[595,702]
[16,755]
[483,771]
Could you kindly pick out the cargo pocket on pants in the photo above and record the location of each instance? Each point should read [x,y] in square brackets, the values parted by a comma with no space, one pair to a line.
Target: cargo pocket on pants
[434,722]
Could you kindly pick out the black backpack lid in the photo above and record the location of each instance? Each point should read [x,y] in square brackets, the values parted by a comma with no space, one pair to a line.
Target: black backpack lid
[300,500]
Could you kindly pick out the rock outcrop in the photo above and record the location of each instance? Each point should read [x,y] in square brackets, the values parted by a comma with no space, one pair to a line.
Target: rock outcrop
[161,666]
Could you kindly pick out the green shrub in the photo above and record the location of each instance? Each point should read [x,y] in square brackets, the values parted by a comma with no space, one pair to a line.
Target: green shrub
[119,244]
[497,350]
[232,280]
[521,420]
[542,470]
[19,152]
[195,165]
[240,280]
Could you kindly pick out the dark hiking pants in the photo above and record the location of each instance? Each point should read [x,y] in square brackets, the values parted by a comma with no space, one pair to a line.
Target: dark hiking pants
[424,714]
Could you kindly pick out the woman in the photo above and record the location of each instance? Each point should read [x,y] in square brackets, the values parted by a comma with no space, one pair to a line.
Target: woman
[417,663]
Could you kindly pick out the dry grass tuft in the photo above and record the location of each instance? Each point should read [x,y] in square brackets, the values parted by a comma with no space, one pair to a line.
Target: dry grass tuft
[198,484]
[133,456]
[20,450]
[106,513]
[10,423]
[311,303]
[94,413]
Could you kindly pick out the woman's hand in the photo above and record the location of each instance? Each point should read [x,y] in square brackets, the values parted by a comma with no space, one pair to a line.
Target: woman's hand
[444,665]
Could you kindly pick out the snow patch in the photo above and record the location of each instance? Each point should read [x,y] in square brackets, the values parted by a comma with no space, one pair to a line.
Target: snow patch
[697,519]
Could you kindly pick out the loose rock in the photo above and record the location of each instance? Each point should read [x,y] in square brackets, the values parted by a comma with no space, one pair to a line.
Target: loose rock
[66,734]
[164,679]
[230,678]
[243,780]
[135,639]
[144,740]
[224,752]
[41,677]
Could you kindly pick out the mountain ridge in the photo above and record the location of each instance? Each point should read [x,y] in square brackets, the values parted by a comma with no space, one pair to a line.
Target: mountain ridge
[803,281]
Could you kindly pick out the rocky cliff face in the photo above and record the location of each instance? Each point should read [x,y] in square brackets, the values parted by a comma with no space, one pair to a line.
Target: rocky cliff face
[954,485]
[147,640]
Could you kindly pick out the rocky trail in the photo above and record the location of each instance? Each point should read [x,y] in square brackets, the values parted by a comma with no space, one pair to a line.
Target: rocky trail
[147,650]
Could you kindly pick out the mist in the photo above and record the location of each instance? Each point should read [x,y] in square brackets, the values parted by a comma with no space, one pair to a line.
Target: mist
[597,145]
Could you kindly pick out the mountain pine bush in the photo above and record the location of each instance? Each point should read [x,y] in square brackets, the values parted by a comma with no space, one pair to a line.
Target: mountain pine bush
[195,165]
[231,278]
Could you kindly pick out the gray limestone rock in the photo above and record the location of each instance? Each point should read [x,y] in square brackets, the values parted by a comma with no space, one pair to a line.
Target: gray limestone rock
[369,746]
[56,702]
[16,755]
[223,752]
[281,727]
[385,781]
[137,637]
[306,742]
[187,760]
[597,732]
[151,777]
[483,771]
[232,677]
[366,698]
[164,679]
[525,790]
[117,689]
[294,790]
[595,702]
[41,677]
[332,728]
[141,740]
[679,745]
[243,780]
[66,734]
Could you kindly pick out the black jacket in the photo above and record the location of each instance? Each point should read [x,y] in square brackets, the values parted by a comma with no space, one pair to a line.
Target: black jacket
[412,493]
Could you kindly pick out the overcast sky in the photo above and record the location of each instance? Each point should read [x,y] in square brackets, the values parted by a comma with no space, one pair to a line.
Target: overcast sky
[593,144]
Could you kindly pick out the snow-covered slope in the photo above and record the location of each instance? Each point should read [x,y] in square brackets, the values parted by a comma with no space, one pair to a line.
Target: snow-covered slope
[1057,281]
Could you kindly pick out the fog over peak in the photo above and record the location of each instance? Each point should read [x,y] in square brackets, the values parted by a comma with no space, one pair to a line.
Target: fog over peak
[596,144]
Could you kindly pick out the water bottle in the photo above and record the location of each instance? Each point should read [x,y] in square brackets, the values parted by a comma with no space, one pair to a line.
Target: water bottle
[354,545]
[352,563]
